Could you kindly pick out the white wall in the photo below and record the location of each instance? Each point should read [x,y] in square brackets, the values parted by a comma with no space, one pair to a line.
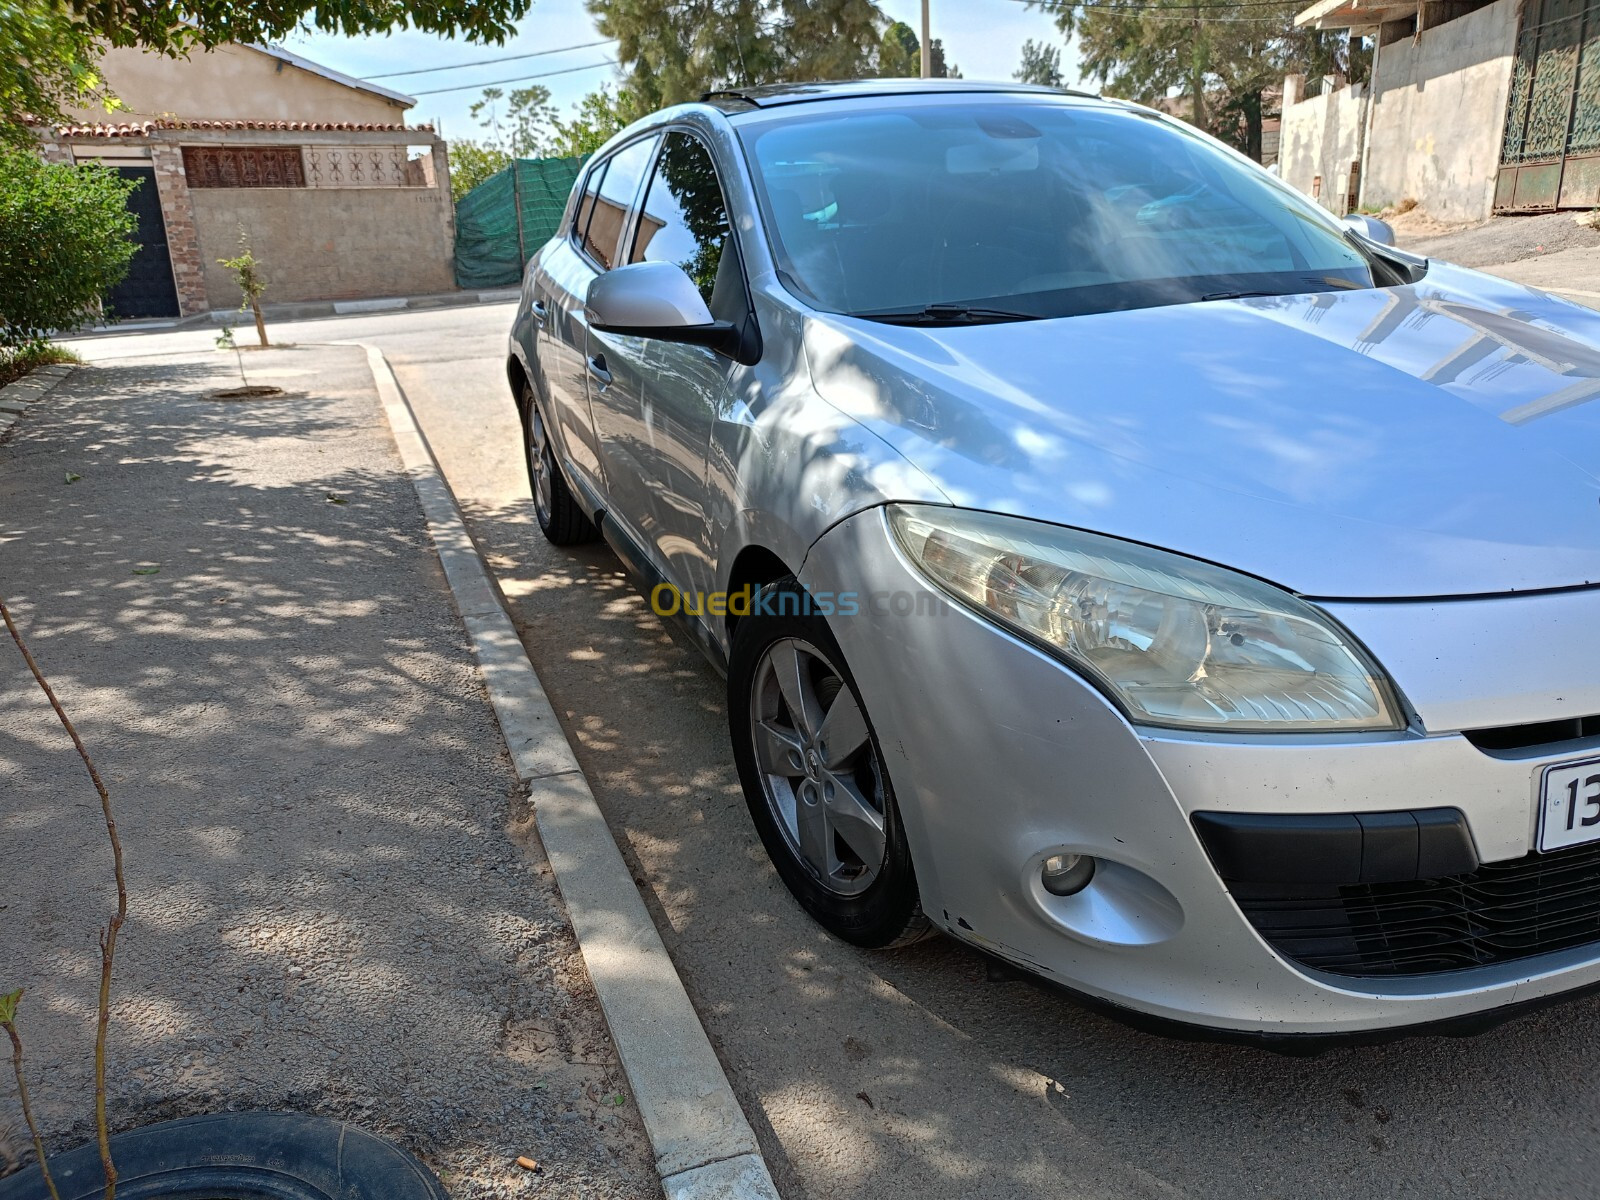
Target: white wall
[1321,137]
[1440,109]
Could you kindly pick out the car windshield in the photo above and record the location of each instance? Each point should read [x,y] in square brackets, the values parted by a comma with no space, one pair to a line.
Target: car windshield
[1011,208]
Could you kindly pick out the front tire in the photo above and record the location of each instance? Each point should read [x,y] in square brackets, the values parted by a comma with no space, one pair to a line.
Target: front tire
[814,776]
[561,520]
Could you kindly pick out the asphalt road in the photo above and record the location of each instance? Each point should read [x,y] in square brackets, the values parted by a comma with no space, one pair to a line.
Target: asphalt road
[912,1073]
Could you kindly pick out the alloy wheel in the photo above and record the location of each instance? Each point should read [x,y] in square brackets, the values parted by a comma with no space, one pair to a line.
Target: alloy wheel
[541,458]
[820,770]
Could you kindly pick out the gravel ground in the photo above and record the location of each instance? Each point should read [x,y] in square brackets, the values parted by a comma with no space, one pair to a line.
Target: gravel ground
[338,904]
[1503,239]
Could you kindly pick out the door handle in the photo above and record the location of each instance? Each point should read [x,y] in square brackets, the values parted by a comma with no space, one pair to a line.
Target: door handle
[540,312]
[597,368]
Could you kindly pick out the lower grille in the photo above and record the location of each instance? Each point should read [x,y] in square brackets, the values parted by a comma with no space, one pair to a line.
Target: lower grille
[1498,913]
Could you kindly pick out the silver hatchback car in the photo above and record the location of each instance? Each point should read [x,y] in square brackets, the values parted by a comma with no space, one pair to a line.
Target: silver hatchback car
[1117,562]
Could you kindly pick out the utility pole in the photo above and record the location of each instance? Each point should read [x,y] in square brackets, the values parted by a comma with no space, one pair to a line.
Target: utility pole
[1197,71]
[927,45]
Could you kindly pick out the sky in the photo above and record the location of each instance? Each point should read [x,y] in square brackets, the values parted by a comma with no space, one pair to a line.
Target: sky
[982,37]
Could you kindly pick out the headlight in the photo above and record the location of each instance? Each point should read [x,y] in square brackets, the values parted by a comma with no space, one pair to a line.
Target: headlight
[1177,642]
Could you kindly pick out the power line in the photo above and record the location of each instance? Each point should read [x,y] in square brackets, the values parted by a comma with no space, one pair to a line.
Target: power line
[1177,11]
[468,87]
[1179,6]
[480,62]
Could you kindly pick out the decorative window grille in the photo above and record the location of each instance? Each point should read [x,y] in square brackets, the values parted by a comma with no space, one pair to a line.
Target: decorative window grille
[243,166]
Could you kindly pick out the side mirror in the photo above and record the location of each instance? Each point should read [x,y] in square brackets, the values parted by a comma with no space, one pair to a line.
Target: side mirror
[1371,228]
[658,300]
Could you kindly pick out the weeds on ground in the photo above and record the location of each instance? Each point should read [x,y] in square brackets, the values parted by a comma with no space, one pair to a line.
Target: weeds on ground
[17,363]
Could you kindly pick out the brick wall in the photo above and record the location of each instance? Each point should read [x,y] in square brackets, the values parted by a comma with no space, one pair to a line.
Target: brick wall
[183,239]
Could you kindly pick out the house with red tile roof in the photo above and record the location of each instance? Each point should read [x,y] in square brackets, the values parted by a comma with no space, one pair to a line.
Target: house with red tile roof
[340,198]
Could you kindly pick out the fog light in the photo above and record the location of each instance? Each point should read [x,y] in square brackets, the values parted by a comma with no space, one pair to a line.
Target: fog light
[1066,874]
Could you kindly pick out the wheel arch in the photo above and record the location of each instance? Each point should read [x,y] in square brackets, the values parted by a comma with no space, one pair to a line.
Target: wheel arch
[519,380]
[755,566]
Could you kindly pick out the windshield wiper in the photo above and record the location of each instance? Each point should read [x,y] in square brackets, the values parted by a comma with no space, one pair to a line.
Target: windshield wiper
[948,314]
[1235,295]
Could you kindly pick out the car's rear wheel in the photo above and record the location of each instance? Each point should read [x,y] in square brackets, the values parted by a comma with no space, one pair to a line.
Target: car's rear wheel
[561,520]
[814,776]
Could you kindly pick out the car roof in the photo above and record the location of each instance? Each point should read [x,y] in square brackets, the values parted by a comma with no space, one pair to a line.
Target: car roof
[772,95]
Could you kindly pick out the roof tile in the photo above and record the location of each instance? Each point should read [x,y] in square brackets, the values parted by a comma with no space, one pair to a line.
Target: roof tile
[135,129]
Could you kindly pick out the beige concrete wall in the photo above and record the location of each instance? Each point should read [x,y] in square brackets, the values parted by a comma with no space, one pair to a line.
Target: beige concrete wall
[1439,111]
[328,244]
[231,83]
[1321,137]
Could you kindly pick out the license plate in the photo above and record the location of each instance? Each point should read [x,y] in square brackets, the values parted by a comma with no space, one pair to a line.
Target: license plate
[1569,806]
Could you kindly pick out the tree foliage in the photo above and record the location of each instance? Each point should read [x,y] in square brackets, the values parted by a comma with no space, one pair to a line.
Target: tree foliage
[596,117]
[66,238]
[49,48]
[1041,64]
[676,49]
[521,126]
[47,63]
[900,55]
[471,163]
[1236,53]
[176,26]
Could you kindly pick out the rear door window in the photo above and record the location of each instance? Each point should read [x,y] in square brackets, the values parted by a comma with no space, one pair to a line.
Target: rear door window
[617,188]
[591,191]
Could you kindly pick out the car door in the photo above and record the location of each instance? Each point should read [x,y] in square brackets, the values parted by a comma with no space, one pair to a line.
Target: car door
[561,289]
[665,396]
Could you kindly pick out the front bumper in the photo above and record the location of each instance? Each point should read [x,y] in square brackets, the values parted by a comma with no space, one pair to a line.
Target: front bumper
[1001,756]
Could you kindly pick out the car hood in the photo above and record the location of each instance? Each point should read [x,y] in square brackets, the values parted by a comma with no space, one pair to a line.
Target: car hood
[1431,440]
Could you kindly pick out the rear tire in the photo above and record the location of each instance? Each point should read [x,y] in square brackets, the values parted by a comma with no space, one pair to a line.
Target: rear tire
[561,520]
[814,776]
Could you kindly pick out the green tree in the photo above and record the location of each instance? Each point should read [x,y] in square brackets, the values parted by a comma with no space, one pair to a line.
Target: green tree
[899,52]
[246,270]
[49,48]
[676,49]
[1224,58]
[900,55]
[66,238]
[174,26]
[47,63]
[471,163]
[1041,64]
[521,127]
[596,117]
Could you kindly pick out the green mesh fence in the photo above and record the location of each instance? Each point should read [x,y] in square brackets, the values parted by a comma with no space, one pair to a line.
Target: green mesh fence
[502,222]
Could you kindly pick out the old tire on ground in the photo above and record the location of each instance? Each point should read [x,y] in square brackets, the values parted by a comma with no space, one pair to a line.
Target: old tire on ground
[238,1156]
[561,520]
[814,776]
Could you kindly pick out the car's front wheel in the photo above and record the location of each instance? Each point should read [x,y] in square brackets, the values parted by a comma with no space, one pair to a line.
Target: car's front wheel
[814,775]
[561,520]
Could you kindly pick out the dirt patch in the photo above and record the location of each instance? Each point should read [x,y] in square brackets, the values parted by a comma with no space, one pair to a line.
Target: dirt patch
[252,392]
[1496,241]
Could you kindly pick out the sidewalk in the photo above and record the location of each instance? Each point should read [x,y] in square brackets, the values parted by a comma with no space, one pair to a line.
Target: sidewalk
[306,310]
[240,607]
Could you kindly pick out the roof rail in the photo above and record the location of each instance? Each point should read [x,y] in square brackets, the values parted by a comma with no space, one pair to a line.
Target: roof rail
[725,95]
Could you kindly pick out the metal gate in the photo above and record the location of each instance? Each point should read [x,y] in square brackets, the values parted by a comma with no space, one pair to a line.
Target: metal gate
[1550,156]
[148,289]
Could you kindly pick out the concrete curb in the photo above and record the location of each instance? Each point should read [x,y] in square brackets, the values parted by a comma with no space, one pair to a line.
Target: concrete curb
[305,310]
[704,1146]
[15,398]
